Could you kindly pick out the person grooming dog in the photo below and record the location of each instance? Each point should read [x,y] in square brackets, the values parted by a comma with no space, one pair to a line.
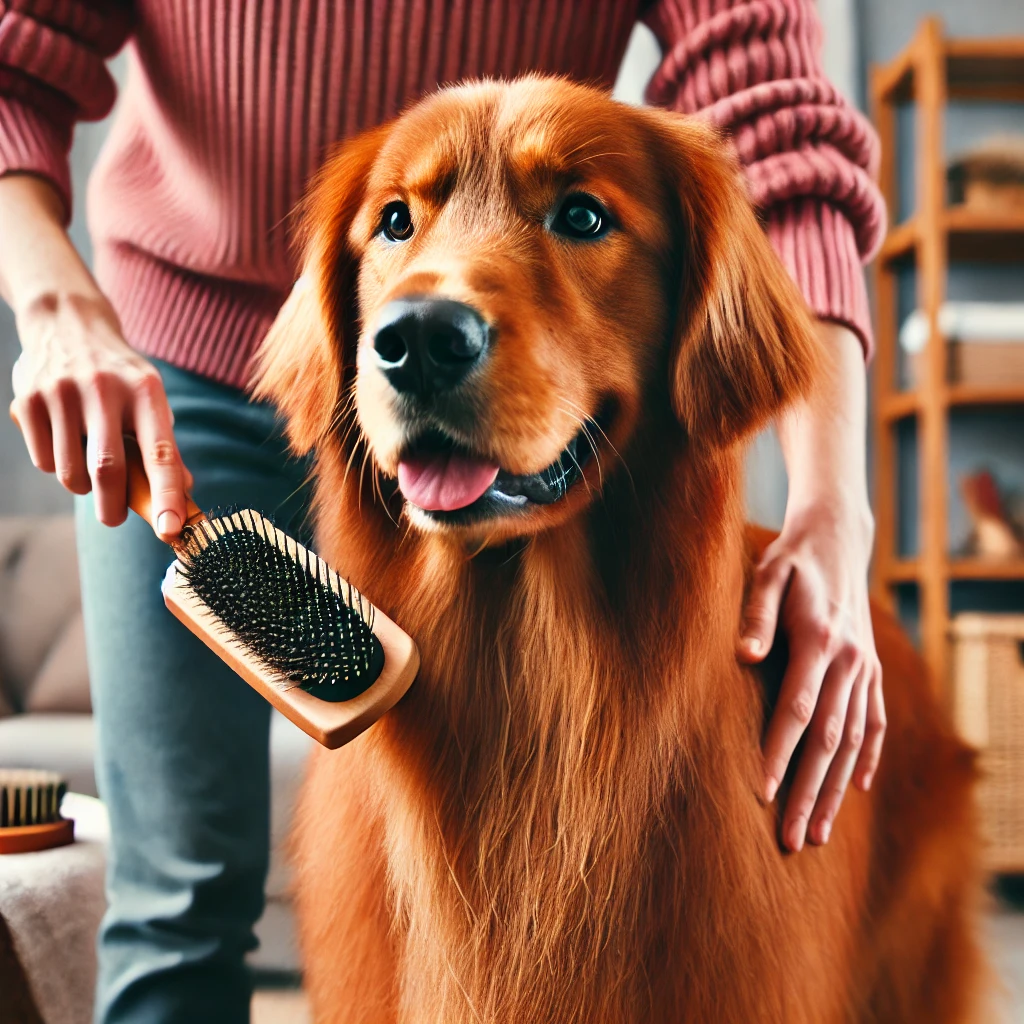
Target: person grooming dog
[228,110]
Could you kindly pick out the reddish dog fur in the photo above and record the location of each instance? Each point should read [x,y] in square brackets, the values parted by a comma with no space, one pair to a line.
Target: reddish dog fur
[561,822]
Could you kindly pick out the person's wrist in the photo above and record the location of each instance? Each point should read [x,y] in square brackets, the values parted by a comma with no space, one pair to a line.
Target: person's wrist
[39,265]
[842,511]
[82,305]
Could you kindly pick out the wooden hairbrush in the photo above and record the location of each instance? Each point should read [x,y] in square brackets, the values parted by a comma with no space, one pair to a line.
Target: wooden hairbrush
[286,622]
[30,811]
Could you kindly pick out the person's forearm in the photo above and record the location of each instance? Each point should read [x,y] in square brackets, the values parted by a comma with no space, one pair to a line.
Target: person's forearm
[38,263]
[78,386]
[824,438]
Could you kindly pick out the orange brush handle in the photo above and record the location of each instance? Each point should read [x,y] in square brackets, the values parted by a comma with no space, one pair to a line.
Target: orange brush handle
[140,498]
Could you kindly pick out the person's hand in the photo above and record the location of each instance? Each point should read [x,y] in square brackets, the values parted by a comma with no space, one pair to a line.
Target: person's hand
[813,579]
[77,380]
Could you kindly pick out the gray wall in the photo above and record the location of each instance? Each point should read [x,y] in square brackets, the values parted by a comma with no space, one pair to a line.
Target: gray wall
[886,26]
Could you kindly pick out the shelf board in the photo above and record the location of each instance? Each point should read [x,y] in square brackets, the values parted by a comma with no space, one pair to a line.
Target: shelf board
[985,69]
[986,569]
[903,570]
[900,242]
[976,69]
[974,394]
[899,405]
[984,237]
[908,570]
[972,236]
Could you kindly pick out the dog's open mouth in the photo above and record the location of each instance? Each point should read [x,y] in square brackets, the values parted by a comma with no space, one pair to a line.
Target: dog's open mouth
[454,485]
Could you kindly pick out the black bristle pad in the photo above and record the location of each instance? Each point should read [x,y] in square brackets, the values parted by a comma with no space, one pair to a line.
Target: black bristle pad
[283,610]
[29,797]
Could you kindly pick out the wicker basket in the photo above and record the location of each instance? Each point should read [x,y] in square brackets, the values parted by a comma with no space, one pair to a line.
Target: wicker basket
[988,707]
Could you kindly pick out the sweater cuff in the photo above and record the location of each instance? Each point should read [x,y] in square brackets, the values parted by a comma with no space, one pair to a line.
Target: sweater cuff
[32,143]
[818,245]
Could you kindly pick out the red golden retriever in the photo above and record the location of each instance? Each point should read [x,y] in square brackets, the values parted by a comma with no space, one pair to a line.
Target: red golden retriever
[538,327]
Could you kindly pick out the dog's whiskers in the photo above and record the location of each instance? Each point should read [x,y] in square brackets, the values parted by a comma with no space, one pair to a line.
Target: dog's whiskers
[597,156]
[362,470]
[376,473]
[581,427]
[586,425]
[593,140]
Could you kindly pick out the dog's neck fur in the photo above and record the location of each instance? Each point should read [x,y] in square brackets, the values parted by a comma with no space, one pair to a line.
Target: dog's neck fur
[527,891]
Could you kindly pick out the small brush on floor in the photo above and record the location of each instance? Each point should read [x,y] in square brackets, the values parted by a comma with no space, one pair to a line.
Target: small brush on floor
[30,811]
[286,622]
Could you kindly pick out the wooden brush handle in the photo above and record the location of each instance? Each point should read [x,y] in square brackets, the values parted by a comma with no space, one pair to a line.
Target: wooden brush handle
[140,498]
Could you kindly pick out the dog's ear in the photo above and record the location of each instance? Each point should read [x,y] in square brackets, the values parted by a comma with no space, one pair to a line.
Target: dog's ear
[308,355]
[743,343]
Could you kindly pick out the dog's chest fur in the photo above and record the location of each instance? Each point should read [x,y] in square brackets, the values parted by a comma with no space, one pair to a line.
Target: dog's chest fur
[554,853]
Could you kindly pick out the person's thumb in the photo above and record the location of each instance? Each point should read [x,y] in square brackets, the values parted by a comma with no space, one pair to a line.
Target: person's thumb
[761,612]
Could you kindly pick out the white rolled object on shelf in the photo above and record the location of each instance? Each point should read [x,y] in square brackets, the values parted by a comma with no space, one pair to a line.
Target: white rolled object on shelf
[966,322]
[985,343]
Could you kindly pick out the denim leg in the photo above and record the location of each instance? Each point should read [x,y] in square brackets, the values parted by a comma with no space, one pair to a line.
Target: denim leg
[183,758]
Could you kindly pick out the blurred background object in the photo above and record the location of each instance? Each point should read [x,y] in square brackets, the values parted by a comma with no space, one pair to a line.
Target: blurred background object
[990,176]
[992,534]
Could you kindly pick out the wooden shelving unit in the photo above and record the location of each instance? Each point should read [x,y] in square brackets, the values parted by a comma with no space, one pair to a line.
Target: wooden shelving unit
[928,73]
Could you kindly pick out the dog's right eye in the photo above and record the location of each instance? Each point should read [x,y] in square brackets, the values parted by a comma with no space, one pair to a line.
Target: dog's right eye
[396,222]
[582,217]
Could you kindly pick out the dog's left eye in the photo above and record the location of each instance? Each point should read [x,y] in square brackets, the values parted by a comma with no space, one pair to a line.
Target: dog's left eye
[396,222]
[581,216]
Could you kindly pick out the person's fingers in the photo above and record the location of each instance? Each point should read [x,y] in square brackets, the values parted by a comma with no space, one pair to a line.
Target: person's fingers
[823,739]
[874,730]
[104,412]
[155,433]
[34,422]
[761,611]
[64,406]
[798,696]
[833,789]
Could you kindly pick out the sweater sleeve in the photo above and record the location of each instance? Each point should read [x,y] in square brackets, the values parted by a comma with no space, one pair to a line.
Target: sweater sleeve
[753,69]
[52,74]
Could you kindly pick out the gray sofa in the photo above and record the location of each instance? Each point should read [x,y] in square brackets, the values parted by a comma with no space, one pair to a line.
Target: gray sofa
[45,714]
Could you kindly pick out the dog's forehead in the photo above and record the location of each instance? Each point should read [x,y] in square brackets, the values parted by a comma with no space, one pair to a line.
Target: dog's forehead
[533,128]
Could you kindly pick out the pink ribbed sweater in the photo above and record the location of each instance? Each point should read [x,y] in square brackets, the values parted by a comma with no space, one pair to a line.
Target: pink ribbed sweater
[231,104]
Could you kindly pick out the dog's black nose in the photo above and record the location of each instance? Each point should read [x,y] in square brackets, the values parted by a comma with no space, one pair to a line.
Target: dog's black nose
[426,346]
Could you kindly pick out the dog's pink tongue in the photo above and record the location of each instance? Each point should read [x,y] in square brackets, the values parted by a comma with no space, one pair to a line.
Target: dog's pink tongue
[444,481]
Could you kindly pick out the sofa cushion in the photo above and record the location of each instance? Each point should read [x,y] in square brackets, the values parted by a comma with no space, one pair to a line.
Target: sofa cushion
[38,596]
[62,684]
[59,743]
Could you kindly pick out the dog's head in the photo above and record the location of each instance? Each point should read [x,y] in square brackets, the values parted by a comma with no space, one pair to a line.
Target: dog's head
[520,284]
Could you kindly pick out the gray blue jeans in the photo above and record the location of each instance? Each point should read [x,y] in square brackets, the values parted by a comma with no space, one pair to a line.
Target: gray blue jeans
[183,743]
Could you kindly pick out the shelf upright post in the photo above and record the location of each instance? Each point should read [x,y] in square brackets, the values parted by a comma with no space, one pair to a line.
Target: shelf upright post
[930,90]
[885,364]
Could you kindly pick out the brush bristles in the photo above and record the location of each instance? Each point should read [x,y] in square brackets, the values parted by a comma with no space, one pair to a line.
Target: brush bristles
[283,604]
[29,797]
